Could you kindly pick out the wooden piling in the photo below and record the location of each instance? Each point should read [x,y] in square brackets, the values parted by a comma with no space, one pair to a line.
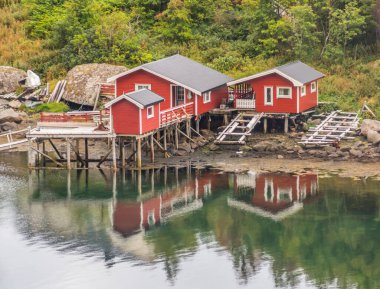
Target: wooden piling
[286,124]
[68,154]
[151,148]
[139,153]
[86,151]
[165,143]
[265,125]
[114,161]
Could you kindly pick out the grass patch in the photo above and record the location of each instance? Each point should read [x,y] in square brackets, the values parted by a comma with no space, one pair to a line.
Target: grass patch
[47,107]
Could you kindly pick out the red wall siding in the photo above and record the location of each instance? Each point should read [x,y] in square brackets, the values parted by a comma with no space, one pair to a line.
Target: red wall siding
[282,105]
[158,85]
[216,99]
[126,218]
[310,100]
[125,118]
[153,123]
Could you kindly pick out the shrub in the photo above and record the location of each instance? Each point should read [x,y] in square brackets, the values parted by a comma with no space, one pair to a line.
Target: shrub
[47,107]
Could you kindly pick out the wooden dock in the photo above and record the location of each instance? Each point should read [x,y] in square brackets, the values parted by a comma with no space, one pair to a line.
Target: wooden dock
[335,127]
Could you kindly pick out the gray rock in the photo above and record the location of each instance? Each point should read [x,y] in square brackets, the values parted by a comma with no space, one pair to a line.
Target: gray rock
[213,147]
[8,126]
[246,148]
[314,122]
[280,157]
[373,136]
[15,104]
[369,124]
[9,115]
[333,155]
[356,153]
[185,146]
[330,149]
[9,79]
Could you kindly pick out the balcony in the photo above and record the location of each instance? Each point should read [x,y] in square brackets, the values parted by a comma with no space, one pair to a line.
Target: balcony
[245,103]
[176,114]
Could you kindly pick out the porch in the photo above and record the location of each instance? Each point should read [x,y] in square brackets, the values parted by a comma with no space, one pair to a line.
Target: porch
[176,114]
[243,96]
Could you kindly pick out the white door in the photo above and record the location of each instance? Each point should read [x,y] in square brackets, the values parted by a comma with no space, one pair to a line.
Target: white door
[268,95]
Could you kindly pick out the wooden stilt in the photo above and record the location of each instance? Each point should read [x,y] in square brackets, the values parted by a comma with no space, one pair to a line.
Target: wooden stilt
[139,153]
[134,149]
[30,154]
[151,148]
[38,164]
[139,176]
[197,121]
[78,157]
[86,151]
[68,154]
[45,155]
[265,125]
[123,153]
[78,153]
[44,151]
[104,158]
[188,130]
[165,144]
[176,136]
[114,161]
[286,124]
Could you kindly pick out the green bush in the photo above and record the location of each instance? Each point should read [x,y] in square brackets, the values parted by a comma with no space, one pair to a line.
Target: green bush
[47,107]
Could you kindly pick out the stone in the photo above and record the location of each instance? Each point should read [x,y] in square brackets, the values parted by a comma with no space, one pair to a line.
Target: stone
[206,133]
[369,124]
[185,146]
[213,147]
[246,148]
[8,126]
[373,136]
[15,104]
[9,79]
[280,157]
[333,155]
[180,153]
[9,115]
[314,122]
[83,79]
[356,153]
[345,148]
[330,149]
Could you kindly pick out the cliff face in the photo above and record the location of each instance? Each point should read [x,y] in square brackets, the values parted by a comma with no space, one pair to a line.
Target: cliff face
[82,81]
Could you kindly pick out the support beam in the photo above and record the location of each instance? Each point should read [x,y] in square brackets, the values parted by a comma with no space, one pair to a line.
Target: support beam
[103,159]
[68,154]
[176,136]
[265,125]
[151,148]
[55,149]
[286,124]
[86,151]
[197,121]
[165,143]
[30,154]
[114,163]
[139,153]
[123,153]
[76,151]
[45,155]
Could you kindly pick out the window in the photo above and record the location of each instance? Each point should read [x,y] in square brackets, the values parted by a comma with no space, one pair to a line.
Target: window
[284,92]
[150,111]
[177,95]
[268,190]
[142,86]
[268,91]
[303,90]
[313,86]
[206,97]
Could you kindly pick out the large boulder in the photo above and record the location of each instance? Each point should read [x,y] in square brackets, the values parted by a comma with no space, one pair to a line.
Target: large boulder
[9,79]
[83,79]
[373,136]
[370,124]
[9,115]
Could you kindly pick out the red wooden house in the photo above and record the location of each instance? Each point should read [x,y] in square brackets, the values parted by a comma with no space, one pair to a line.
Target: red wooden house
[135,113]
[291,88]
[273,195]
[187,88]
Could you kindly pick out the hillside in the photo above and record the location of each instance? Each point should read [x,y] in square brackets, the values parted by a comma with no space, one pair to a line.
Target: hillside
[237,37]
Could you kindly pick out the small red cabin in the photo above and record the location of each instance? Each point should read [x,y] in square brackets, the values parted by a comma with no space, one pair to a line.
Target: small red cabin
[135,113]
[291,88]
[184,84]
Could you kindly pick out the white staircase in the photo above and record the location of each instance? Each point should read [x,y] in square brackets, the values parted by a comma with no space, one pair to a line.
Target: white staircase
[238,129]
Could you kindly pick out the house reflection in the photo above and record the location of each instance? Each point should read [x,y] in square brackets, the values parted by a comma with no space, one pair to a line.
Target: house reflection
[275,196]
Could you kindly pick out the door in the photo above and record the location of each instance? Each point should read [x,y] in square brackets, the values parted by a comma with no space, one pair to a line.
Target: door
[178,95]
[268,95]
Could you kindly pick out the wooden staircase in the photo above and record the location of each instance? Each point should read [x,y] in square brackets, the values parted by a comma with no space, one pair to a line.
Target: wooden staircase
[336,126]
[238,129]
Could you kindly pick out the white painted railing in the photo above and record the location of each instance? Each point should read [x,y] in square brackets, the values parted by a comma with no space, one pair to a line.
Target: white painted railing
[245,103]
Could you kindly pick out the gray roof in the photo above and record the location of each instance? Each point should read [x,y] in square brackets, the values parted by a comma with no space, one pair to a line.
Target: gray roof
[145,97]
[188,72]
[300,71]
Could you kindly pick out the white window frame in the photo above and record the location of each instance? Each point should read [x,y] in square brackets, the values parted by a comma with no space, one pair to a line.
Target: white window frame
[150,115]
[265,95]
[268,184]
[313,86]
[284,191]
[146,86]
[303,90]
[206,97]
[290,96]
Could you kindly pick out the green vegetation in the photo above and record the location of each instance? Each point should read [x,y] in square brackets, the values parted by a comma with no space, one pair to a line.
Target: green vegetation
[47,107]
[238,37]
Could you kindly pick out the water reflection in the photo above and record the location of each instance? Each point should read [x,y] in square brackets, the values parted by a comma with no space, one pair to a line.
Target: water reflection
[301,230]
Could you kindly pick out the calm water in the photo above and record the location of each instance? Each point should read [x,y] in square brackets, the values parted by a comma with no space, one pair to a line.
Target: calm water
[185,229]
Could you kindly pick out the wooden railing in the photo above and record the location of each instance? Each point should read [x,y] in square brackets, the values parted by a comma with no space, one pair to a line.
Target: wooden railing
[245,103]
[177,113]
[74,116]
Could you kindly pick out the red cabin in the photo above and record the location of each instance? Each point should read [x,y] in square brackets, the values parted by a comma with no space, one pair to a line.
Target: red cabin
[291,88]
[187,88]
[135,113]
